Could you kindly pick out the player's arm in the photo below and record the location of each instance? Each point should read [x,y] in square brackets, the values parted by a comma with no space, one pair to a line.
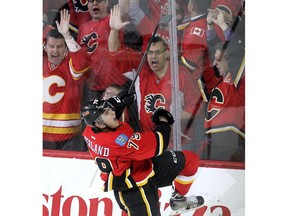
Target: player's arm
[150,144]
[163,121]
[120,101]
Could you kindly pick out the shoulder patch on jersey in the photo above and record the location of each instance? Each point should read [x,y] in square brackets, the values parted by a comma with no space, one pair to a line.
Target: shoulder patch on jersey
[197,31]
[121,139]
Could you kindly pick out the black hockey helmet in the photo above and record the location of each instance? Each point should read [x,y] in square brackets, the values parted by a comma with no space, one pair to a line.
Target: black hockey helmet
[92,111]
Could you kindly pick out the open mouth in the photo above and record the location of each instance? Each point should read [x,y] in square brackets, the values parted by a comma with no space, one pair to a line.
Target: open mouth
[55,55]
[96,10]
[55,58]
[154,63]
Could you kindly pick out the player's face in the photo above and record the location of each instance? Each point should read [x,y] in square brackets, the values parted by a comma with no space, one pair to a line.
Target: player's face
[98,9]
[221,63]
[56,50]
[157,57]
[109,118]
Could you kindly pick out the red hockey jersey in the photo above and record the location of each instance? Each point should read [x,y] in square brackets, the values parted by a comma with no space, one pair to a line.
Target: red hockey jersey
[124,155]
[226,109]
[62,96]
[195,56]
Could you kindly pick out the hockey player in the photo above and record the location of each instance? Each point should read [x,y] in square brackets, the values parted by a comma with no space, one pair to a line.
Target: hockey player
[135,165]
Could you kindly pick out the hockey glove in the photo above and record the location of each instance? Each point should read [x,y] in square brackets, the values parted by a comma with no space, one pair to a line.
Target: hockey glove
[119,104]
[164,113]
[128,99]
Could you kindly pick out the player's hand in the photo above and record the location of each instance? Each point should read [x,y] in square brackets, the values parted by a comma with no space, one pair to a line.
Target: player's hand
[162,113]
[122,101]
[118,103]
[127,99]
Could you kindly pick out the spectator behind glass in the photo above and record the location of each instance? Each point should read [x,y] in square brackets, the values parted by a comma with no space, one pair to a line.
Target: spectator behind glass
[226,23]
[153,86]
[225,115]
[127,54]
[194,47]
[232,10]
[63,70]
[195,56]
[93,35]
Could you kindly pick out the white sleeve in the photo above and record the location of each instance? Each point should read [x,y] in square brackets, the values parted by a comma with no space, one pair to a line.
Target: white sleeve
[72,45]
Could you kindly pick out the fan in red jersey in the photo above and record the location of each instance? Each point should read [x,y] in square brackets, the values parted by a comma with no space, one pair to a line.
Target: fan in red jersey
[93,35]
[195,56]
[194,48]
[135,165]
[63,70]
[225,116]
[154,87]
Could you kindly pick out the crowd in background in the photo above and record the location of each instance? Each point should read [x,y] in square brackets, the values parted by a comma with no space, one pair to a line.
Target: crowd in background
[98,56]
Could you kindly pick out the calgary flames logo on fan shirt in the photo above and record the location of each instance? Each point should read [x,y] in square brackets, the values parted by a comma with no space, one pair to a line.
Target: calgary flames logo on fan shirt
[91,42]
[80,5]
[153,102]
